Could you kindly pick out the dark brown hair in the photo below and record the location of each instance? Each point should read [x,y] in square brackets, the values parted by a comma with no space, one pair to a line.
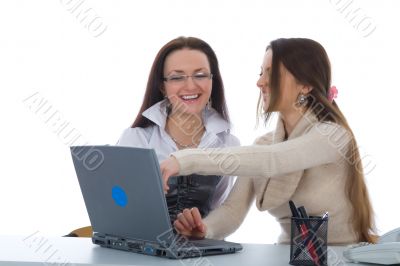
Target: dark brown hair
[308,62]
[154,86]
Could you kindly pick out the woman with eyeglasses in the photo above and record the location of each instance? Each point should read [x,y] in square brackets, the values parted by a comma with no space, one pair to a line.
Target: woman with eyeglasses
[184,107]
[311,158]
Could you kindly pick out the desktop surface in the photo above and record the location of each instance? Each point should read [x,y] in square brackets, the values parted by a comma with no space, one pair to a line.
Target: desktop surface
[36,249]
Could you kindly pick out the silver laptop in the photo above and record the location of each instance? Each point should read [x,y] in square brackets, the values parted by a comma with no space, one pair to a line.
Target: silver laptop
[122,190]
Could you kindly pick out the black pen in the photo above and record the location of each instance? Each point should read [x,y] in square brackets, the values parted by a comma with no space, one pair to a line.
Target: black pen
[293,209]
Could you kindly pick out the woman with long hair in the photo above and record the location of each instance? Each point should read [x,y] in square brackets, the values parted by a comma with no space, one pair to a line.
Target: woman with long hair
[311,157]
[184,107]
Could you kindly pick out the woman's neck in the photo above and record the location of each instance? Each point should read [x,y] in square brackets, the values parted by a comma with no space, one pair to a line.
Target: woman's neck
[290,119]
[185,130]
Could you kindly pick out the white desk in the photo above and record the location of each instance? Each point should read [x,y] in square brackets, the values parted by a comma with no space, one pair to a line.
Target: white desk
[68,251]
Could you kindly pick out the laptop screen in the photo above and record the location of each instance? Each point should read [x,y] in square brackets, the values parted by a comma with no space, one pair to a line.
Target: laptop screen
[122,190]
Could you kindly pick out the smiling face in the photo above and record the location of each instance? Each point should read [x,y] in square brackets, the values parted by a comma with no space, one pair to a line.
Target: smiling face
[187,95]
[289,87]
[264,80]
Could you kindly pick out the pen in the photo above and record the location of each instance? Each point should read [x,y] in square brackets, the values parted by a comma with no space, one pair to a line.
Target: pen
[306,227]
[300,226]
[293,209]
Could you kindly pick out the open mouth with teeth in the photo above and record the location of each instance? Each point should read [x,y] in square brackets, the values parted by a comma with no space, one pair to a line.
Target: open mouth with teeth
[190,98]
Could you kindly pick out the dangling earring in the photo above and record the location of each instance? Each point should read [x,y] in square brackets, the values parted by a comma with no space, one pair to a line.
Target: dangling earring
[209,104]
[301,100]
[168,107]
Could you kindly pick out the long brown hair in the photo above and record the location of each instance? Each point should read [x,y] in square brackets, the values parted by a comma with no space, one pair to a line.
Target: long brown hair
[153,92]
[308,62]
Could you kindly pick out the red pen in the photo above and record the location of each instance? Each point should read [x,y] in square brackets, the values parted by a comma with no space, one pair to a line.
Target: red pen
[310,245]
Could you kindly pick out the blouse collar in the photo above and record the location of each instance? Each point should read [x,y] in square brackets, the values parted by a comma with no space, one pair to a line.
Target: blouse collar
[213,121]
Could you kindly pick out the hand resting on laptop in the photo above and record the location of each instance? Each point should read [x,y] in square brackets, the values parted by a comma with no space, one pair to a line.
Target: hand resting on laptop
[190,223]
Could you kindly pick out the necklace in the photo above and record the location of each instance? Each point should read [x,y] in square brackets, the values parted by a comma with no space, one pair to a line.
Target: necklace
[183,145]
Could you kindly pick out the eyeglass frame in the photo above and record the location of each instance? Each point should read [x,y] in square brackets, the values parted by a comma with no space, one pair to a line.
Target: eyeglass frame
[186,77]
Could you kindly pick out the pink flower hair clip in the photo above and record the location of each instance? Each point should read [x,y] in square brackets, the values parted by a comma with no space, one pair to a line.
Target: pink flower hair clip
[332,93]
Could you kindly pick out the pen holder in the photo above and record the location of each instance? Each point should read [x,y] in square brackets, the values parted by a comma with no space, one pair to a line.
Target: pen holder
[308,241]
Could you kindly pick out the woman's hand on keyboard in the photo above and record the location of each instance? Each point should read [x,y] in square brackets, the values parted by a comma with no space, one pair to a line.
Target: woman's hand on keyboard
[190,223]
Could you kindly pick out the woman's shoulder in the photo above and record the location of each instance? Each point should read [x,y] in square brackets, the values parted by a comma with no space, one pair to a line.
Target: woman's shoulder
[136,136]
[321,128]
[264,139]
[329,129]
[138,130]
[228,138]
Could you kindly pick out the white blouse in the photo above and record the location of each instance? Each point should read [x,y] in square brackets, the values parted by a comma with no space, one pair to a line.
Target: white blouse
[217,135]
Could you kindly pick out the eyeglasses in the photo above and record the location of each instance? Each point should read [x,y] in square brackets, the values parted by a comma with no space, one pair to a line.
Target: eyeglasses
[179,79]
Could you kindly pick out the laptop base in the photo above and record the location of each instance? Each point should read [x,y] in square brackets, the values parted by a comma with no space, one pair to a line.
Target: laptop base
[182,248]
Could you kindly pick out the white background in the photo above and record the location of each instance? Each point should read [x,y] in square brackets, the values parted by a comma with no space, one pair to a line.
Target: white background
[96,84]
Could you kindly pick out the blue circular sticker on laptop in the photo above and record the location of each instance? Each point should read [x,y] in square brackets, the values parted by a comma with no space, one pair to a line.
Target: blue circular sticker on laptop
[119,196]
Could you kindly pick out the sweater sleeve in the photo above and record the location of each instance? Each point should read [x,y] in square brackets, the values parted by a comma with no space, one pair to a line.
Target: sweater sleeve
[232,212]
[324,143]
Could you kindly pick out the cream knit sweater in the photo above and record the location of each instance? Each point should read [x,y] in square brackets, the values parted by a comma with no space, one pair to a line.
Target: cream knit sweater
[310,168]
